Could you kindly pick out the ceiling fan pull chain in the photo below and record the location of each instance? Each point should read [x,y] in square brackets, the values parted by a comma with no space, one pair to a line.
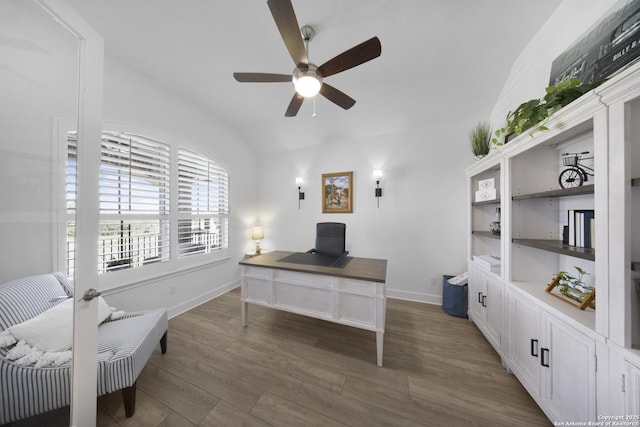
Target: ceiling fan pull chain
[314,107]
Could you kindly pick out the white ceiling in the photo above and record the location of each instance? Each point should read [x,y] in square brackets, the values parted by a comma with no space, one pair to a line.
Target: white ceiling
[440,59]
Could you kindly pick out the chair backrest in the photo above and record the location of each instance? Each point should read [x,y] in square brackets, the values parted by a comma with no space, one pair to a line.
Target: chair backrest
[22,299]
[330,238]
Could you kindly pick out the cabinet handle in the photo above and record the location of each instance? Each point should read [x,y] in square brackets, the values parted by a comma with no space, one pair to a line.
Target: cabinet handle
[484,301]
[534,344]
[479,297]
[542,358]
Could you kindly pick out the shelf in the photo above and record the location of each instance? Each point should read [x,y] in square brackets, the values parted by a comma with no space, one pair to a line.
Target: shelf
[635,266]
[635,182]
[557,247]
[564,192]
[486,202]
[486,234]
[585,320]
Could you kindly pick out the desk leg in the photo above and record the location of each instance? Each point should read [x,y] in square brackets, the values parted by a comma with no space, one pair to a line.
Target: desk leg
[244,307]
[379,344]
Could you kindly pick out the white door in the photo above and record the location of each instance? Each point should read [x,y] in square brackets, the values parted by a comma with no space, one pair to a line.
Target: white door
[524,342]
[45,62]
[569,372]
[477,288]
[632,391]
[492,302]
[88,92]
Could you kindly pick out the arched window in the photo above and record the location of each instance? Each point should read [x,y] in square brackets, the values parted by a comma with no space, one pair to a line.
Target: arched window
[135,203]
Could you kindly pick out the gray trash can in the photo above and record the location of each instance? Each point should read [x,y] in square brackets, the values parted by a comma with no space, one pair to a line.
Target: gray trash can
[455,299]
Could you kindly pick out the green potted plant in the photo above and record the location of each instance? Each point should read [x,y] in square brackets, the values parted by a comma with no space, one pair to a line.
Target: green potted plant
[480,140]
[574,287]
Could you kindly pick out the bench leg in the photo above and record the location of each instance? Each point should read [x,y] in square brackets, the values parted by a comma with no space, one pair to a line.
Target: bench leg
[129,399]
[163,343]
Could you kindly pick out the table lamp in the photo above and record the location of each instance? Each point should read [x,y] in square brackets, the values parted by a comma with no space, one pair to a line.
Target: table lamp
[257,234]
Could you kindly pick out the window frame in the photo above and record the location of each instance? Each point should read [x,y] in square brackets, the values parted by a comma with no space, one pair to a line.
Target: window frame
[151,272]
[220,213]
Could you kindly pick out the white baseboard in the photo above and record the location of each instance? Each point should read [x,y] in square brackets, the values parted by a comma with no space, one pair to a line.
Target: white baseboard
[201,299]
[415,296]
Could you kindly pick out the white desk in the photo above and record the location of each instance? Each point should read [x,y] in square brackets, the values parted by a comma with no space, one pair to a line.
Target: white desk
[354,295]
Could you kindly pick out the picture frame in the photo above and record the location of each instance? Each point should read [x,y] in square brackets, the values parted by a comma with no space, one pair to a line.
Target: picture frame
[337,192]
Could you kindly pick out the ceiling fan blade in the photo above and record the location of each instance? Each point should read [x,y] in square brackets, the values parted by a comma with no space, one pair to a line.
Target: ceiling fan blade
[365,51]
[285,17]
[336,96]
[261,77]
[294,105]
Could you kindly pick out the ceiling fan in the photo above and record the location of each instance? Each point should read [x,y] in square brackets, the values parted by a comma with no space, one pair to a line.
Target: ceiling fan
[307,78]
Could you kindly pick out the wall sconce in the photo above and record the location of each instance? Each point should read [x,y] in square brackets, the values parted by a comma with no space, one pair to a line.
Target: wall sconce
[377,175]
[257,234]
[300,192]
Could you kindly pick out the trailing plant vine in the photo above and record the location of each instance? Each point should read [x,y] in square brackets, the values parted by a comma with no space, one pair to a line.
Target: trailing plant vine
[535,111]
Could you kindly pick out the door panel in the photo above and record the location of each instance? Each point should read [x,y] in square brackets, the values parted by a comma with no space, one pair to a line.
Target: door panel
[524,342]
[51,69]
[571,380]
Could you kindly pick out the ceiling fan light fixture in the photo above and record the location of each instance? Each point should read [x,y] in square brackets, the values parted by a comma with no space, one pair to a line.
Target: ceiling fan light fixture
[307,81]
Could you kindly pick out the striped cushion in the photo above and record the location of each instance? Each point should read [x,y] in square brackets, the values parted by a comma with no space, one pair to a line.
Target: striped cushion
[26,391]
[65,283]
[22,299]
[125,346]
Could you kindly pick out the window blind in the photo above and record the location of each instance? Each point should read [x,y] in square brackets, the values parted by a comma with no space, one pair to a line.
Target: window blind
[134,201]
[203,204]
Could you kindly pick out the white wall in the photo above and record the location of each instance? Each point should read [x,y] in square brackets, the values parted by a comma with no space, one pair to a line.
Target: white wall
[133,99]
[38,85]
[420,225]
[38,82]
[529,75]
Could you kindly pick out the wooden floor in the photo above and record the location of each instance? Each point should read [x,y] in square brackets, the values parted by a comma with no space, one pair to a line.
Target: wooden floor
[290,370]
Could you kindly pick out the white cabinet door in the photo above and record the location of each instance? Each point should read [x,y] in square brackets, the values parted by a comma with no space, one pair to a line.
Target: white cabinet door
[492,303]
[485,304]
[568,357]
[632,391]
[477,287]
[524,342]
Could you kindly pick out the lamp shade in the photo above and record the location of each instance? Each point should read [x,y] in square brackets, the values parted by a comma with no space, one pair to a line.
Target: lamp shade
[257,233]
[307,81]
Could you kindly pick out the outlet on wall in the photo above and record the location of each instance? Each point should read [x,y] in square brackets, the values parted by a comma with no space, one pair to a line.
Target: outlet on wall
[432,281]
[172,289]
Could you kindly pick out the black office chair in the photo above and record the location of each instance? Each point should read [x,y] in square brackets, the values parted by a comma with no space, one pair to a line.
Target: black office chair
[330,238]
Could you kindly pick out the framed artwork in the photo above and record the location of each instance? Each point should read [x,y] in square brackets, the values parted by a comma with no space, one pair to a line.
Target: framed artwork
[606,47]
[337,192]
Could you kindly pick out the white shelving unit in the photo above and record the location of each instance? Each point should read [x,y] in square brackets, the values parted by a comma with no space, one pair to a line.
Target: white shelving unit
[481,240]
[623,98]
[577,364]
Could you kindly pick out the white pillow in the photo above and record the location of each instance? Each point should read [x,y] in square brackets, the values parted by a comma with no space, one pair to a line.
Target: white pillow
[52,330]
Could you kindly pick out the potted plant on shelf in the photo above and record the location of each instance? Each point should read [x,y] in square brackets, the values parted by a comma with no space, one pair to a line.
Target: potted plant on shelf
[574,288]
[480,140]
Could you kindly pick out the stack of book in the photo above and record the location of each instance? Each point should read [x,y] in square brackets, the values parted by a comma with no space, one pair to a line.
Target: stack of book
[488,262]
[581,228]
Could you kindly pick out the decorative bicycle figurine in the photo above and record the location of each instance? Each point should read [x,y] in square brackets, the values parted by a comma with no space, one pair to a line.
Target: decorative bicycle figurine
[577,173]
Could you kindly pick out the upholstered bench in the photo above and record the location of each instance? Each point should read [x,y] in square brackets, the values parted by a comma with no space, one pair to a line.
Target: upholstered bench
[124,347]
